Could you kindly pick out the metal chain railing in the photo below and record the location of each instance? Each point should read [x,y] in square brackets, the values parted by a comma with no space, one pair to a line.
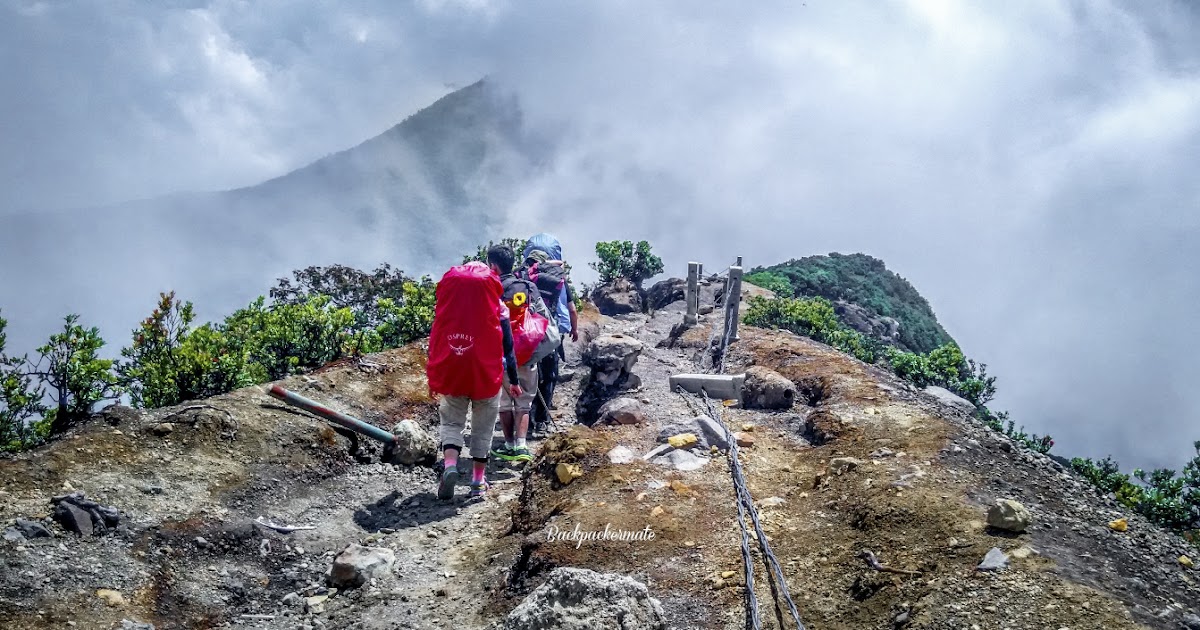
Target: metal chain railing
[745,500]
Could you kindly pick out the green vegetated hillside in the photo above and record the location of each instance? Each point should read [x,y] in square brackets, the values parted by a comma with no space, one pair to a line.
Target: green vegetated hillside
[865,281]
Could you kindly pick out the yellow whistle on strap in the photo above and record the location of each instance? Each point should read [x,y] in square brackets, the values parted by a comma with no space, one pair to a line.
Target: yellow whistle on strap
[519,299]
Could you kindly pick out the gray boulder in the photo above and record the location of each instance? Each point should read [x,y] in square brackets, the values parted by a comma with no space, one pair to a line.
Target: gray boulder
[612,354]
[667,292]
[947,397]
[767,389]
[413,445]
[1009,516]
[358,565]
[618,297]
[579,599]
[119,415]
[678,459]
[12,535]
[868,323]
[707,431]
[622,411]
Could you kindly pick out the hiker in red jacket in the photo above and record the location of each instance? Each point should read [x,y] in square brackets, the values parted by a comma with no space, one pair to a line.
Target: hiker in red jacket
[470,350]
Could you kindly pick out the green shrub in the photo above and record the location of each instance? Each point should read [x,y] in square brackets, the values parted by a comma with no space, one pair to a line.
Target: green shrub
[623,259]
[1167,498]
[517,245]
[170,362]
[20,402]
[284,338]
[1104,474]
[773,282]
[810,317]
[945,366]
[409,319]
[865,281]
[347,287]
[75,376]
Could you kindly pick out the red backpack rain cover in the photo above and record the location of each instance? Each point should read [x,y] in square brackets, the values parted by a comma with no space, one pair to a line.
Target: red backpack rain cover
[466,347]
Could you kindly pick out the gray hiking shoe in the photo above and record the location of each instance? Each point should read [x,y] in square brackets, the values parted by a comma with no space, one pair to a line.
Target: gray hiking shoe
[445,489]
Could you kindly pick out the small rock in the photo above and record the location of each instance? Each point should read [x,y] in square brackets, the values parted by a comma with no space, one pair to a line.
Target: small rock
[201,542]
[13,535]
[73,519]
[744,440]
[657,511]
[414,445]
[1021,553]
[621,455]
[842,465]
[680,488]
[292,599]
[995,560]
[622,411]
[728,574]
[111,597]
[32,529]
[681,460]
[579,599]
[1186,562]
[163,429]
[358,565]
[772,501]
[881,453]
[1009,515]
[901,619]
[126,624]
[1191,622]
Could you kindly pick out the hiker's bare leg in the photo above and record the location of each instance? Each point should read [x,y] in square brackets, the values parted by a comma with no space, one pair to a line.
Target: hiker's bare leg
[506,426]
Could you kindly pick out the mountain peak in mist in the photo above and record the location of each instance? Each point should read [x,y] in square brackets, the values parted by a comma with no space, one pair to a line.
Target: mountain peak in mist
[417,196]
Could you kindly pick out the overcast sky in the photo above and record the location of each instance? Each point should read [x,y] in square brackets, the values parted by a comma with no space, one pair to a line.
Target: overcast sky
[1030,166]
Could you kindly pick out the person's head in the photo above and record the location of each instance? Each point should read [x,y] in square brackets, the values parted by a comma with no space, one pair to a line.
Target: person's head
[536,256]
[501,258]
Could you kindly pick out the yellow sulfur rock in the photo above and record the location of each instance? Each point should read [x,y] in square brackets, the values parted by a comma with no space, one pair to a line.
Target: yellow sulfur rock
[1186,561]
[657,511]
[747,427]
[683,440]
[111,597]
[728,574]
[680,488]
[1119,525]
[567,472]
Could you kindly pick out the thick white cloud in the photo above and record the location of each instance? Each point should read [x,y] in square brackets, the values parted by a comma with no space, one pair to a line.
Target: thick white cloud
[1028,165]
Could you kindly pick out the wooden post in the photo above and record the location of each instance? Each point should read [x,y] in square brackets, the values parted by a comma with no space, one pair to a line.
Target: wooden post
[735,300]
[693,294]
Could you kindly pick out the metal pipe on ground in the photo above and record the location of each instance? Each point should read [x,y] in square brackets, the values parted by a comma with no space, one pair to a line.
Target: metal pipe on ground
[336,417]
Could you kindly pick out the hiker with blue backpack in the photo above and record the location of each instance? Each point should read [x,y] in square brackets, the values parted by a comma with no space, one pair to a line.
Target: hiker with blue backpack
[545,269]
[535,336]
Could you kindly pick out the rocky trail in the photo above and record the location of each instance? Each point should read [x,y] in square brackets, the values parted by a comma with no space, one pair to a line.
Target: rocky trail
[862,462]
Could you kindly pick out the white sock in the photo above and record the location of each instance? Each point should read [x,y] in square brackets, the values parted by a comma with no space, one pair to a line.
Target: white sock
[520,442]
